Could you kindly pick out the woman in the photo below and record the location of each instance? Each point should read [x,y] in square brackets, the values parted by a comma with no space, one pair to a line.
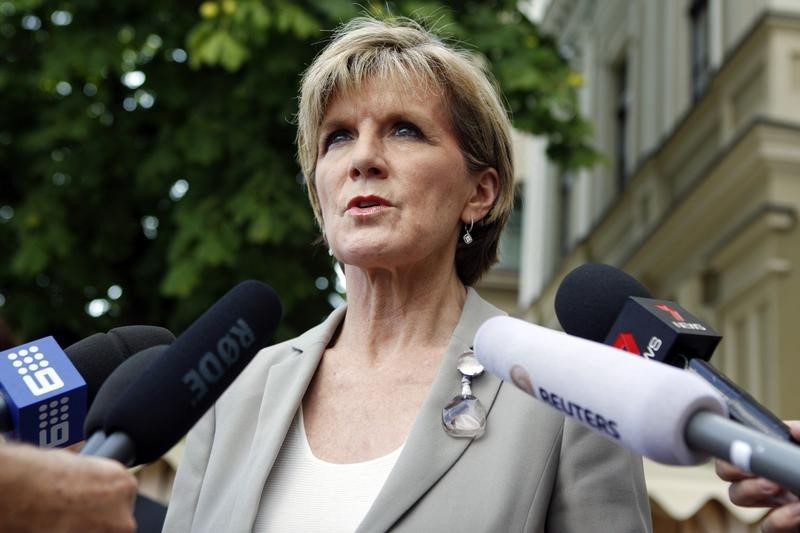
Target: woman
[406,146]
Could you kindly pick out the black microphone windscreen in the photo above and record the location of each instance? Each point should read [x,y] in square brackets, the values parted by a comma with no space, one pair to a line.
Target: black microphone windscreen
[591,297]
[117,383]
[195,370]
[96,356]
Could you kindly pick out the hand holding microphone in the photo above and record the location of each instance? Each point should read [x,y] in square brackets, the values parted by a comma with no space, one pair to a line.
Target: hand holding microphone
[594,302]
[142,417]
[748,490]
[56,490]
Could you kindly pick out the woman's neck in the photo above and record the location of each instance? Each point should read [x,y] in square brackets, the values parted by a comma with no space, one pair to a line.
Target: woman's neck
[393,314]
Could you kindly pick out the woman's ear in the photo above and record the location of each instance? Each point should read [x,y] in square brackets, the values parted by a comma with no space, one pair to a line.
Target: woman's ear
[484,194]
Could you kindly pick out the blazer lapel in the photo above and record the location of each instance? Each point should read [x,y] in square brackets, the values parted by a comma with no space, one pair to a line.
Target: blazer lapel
[285,386]
[429,452]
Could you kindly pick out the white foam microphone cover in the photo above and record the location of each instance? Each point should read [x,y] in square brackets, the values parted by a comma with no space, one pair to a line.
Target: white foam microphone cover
[643,406]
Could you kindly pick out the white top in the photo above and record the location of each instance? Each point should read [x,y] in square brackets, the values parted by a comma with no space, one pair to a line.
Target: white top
[304,493]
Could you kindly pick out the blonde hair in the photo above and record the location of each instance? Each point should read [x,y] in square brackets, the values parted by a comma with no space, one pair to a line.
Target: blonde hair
[401,49]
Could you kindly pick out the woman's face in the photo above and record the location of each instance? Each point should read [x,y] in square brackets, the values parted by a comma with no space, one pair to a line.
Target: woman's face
[392,182]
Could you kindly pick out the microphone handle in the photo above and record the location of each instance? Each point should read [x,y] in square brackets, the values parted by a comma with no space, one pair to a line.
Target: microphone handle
[93,443]
[742,407]
[6,423]
[745,448]
[117,446]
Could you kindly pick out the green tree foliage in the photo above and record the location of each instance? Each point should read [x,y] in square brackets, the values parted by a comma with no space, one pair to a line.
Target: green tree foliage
[147,159]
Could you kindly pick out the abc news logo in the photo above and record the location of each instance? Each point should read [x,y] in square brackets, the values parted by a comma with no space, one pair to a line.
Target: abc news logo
[41,378]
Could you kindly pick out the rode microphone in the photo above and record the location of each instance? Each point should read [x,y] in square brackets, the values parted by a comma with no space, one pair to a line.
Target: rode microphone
[658,411]
[179,386]
[45,391]
[623,315]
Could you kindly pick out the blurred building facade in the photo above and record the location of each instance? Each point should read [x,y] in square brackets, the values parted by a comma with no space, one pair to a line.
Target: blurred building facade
[696,107]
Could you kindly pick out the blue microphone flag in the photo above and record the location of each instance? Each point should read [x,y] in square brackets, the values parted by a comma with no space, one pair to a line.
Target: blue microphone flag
[45,394]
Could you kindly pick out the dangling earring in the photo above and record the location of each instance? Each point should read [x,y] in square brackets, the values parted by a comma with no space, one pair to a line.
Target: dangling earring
[467,236]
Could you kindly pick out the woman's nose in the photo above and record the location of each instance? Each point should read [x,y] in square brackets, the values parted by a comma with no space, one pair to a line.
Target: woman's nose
[368,158]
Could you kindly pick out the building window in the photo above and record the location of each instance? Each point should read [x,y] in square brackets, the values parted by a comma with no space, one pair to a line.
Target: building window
[622,133]
[700,53]
[510,247]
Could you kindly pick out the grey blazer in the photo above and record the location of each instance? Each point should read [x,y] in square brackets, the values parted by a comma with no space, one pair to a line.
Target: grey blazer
[531,471]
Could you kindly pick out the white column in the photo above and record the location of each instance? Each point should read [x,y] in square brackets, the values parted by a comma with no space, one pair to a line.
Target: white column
[535,257]
[715,33]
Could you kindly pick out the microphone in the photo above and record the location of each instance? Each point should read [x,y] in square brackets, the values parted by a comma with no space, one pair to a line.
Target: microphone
[658,411]
[622,314]
[45,396]
[44,390]
[583,379]
[176,389]
[591,296]
[118,381]
[98,355]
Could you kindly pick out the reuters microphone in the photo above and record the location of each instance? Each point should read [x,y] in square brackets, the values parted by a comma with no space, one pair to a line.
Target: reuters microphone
[661,412]
[622,398]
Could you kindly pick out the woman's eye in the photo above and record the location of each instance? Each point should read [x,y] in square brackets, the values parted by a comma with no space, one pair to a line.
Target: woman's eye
[336,137]
[406,129]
